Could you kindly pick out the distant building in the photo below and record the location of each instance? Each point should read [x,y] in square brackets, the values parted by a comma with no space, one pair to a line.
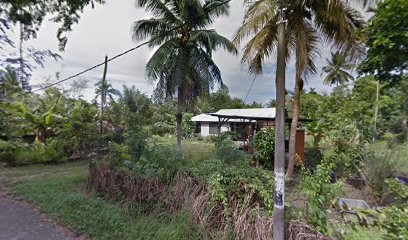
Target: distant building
[244,122]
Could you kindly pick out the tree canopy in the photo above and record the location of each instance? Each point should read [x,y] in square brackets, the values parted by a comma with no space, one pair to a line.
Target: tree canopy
[387,41]
[32,13]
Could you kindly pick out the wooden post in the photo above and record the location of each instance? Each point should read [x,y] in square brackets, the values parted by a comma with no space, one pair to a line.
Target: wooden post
[103,94]
[300,145]
[219,126]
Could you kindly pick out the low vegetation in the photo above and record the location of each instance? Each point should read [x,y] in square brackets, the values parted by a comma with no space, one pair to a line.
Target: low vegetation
[60,192]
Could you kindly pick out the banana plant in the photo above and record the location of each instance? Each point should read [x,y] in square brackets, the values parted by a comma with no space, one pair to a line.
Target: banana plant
[41,121]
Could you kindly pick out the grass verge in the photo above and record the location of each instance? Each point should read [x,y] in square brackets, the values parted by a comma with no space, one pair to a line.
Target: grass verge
[58,191]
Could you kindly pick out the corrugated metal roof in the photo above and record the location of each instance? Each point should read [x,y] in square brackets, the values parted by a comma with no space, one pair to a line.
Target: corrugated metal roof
[209,118]
[266,113]
[204,118]
[237,115]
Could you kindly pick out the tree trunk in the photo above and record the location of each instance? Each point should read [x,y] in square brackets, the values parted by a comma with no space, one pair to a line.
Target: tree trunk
[40,136]
[21,60]
[405,128]
[376,109]
[293,126]
[279,164]
[179,119]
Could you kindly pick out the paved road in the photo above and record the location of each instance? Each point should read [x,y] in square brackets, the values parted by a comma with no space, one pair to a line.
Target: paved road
[19,222]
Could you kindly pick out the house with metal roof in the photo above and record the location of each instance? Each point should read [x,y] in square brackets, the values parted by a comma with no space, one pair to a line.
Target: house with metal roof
[244,122]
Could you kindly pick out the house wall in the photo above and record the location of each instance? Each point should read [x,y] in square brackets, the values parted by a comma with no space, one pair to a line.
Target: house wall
[205,129]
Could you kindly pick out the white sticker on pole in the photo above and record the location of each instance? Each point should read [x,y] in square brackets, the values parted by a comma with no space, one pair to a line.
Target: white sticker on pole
[279,190]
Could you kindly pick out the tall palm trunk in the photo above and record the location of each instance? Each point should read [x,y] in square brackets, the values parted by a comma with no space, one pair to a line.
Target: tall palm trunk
[179,119]
[294,125]
[279,164]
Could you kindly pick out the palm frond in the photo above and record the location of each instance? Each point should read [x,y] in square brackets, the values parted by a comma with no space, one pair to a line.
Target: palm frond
[257,16]
[143,29]
[215,8]
[338,23]
[259,48]
[159,9]
[160,59]
[211,41]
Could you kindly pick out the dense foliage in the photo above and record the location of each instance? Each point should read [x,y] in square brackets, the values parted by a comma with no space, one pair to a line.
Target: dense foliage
[387,41]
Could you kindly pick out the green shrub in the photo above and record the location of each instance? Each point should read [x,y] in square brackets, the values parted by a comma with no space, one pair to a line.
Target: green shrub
[118,154]
[159,161]
[45,152]
[136,142]
[264,145]
[394,219]
[313,156]
[188,127]
[78,139]
[163,127]
[221,137]
[395,222]
[319,192]
[350,159]
[16,153]
[227,151]
[378,164]
[164,159]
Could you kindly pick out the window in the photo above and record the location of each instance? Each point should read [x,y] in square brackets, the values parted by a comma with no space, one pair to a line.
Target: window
[198,128]
[213,128]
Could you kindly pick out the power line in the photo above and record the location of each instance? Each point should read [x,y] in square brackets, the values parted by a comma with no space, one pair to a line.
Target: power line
[250,88]
[129,50]
[89,69]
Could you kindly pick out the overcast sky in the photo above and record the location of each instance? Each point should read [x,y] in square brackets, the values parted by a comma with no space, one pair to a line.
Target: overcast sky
[105,30]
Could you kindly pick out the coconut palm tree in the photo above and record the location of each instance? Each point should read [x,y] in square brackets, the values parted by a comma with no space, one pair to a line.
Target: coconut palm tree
[105,91]
[337,70]
[182,65]
[309,23]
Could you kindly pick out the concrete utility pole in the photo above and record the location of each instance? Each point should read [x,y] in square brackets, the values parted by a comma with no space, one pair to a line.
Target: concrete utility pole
[279,165]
